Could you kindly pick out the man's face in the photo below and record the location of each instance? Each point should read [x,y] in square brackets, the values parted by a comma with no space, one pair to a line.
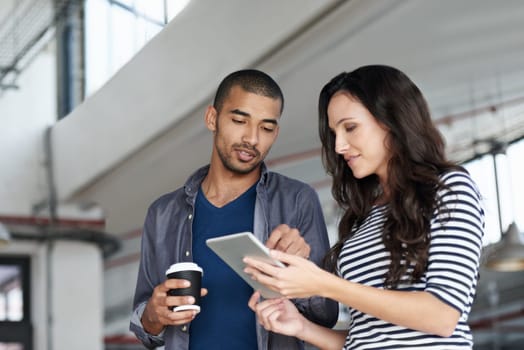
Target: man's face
[245,129]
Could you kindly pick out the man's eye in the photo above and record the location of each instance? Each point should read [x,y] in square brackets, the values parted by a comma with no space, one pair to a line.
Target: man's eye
[268,128]
[238,121]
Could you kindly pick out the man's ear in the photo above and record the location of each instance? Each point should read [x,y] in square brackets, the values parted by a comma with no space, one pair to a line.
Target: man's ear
[211,118]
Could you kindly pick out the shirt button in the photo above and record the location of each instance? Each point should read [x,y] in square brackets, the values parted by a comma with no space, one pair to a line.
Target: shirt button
[187,253]
[190,216]
[184,328]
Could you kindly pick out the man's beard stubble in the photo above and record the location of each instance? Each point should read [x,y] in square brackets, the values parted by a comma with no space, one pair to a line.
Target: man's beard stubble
[228,164]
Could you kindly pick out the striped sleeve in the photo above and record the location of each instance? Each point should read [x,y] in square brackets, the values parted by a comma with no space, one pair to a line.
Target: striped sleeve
[457,228]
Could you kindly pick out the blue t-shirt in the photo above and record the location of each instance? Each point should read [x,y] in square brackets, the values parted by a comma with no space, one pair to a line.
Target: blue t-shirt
[225,320]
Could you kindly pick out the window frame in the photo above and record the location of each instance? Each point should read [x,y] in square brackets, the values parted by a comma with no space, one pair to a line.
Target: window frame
[19,332]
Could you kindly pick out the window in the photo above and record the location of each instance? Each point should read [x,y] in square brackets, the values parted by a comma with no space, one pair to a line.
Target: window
[15,324]
[510,170]
[115,30]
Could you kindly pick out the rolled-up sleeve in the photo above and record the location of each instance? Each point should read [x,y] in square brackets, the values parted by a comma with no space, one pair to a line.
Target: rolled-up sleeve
[150,341]
[145,285]
[457,229]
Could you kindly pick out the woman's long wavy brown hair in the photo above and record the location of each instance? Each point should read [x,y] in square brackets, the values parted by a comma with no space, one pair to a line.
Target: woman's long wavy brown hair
[417,158]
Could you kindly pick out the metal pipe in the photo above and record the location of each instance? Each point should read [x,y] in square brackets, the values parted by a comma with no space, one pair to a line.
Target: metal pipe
[497,190]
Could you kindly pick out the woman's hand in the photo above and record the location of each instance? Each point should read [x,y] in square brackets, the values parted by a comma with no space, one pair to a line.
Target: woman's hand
[300,279]
[277,315]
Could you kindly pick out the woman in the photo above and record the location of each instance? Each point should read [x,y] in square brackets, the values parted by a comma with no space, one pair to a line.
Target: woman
[410,237]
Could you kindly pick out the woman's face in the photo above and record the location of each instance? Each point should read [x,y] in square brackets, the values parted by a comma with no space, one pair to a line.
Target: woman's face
[359,138]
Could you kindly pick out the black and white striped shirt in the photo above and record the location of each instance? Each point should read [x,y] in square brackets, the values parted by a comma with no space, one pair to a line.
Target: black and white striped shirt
[451,275]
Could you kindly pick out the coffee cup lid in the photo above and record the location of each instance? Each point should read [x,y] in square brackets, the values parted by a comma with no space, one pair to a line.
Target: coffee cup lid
[183,266]
[187,307]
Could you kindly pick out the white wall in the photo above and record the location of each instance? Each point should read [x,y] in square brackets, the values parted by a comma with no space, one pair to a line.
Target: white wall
[76,287]
[24,115]
[66,273]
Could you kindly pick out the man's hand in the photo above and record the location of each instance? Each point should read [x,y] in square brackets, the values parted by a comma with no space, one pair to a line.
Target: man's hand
[158,313]
[288,240]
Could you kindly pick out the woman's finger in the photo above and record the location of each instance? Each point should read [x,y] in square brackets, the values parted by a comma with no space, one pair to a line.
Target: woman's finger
[263,278]
[288,259]
[265,311]
[262,266]
[253,301]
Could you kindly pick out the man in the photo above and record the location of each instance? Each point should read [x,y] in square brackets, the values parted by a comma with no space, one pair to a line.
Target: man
[234,193]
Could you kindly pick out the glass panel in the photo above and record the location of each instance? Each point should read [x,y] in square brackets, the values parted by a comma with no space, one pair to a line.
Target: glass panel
[510,169]
[11,296]
[114,32]
[482,172]
[516,168]
[153,9]
[174,7]
[123,37]
[129,3]
[145,31]
[97,43]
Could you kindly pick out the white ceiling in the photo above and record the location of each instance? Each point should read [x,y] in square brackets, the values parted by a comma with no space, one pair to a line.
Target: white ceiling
[465,56]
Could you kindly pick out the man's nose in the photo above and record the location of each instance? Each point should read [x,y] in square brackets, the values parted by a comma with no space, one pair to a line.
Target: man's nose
[251,136]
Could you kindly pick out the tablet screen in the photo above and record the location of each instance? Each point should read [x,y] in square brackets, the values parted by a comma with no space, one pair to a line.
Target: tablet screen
[233,248]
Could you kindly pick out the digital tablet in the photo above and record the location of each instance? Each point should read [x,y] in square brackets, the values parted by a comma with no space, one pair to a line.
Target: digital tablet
[233,248]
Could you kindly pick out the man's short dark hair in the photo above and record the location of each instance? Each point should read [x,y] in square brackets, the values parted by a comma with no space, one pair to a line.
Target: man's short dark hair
[250,80]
